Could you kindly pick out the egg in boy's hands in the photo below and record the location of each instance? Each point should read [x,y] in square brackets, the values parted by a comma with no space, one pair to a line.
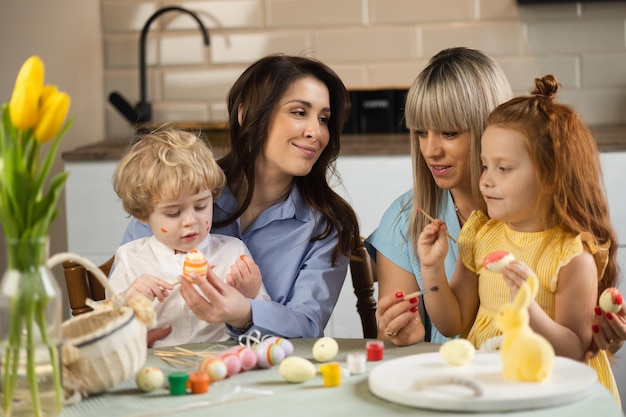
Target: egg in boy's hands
[195,263]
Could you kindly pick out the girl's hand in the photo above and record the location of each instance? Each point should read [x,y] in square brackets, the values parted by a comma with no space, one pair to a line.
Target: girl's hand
[608,331]
[514,275]
[223,303]
[150,287]
[245,276]
[432,244]
[399,320]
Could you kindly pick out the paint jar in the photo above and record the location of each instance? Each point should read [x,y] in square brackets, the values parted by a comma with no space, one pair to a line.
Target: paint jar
[375,349]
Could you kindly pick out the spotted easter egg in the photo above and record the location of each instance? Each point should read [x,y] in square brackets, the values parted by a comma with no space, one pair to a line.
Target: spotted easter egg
[611,300]
[325,349]
[149,378]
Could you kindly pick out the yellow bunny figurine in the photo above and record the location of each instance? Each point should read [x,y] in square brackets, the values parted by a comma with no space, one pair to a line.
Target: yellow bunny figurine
[526,355]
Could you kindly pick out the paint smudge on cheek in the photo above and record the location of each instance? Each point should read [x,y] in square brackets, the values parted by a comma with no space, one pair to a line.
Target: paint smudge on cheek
[164,230]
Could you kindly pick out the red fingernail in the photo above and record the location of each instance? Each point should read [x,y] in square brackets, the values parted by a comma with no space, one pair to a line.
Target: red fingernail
[595,328]
[399,294]
[414,309]
[609,316]
[242,256]
[598,311]
[413,300]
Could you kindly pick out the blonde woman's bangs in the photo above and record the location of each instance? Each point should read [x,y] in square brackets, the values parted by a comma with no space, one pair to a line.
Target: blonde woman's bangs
[440,107]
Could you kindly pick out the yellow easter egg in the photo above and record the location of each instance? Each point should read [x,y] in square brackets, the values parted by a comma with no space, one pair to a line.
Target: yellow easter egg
[457,352]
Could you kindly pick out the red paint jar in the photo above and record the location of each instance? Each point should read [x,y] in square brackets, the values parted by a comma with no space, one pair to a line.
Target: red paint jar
[375,349]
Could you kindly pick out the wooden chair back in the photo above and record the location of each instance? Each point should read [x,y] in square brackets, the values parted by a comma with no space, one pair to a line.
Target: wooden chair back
[363,273]
[81,284]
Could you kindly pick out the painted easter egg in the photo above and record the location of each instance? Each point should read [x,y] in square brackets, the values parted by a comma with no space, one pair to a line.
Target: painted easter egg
[611,300]
[496,261]
[232,362]
[195,263]
[246,355]
[215,367]
[285,344]
[149,378]
[268,354]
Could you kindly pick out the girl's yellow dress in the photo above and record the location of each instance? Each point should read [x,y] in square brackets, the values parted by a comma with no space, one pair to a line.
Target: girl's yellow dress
[545,253]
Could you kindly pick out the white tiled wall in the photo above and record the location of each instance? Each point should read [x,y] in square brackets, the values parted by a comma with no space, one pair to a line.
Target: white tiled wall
[380,43]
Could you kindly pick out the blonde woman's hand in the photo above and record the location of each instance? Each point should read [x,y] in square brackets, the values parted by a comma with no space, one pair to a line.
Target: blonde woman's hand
[399,320]
[432,244]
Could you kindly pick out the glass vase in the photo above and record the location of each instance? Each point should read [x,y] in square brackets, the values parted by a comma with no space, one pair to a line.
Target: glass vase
[30,332]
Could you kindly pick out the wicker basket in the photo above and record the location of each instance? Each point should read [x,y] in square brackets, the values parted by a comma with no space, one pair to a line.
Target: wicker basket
[105,347]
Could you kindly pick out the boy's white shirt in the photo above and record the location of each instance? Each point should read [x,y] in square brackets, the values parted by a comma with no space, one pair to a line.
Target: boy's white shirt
[149,256]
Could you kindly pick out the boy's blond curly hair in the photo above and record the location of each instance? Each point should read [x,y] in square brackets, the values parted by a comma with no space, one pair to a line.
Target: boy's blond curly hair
[163,164]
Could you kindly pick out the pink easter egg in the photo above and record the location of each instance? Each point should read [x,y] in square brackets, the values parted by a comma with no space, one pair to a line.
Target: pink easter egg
[247,356]
[269,354]
[232,361]
[215,367]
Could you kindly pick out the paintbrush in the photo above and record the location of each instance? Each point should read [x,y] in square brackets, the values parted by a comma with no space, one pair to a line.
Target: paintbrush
[418,293]
[433,220]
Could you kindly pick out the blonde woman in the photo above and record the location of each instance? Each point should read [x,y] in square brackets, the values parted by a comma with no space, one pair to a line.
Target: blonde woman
[446,111]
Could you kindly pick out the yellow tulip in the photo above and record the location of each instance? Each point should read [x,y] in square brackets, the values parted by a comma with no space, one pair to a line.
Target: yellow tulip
[24,104]
[32,69]
[47,92]
[53,112]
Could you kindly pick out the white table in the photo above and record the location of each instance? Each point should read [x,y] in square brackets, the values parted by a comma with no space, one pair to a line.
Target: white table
[246,394]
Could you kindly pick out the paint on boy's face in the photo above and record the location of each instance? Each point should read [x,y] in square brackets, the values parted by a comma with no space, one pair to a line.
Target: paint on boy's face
[182,223]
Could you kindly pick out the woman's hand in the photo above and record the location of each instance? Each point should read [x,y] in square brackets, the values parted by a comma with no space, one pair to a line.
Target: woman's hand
[608,331]
[399,320]
[223,303]
[245,276]
[150,287]
[432,244]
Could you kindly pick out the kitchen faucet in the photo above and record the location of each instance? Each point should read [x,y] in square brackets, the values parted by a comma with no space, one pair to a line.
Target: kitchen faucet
[143,110]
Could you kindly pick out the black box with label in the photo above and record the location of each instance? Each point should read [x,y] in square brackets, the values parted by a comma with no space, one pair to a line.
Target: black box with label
[376,111]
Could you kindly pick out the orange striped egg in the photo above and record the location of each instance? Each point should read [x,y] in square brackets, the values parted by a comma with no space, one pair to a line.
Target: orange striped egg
[195,263]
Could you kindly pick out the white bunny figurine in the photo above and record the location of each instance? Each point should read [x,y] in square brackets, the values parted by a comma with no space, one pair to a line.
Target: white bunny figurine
[526,355]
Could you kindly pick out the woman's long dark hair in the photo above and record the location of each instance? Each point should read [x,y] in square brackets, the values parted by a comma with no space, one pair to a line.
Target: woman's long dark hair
[257,93]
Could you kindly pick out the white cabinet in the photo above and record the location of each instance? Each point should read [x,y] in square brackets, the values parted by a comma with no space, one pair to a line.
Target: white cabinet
[614,166]
[370,184]
[95,218]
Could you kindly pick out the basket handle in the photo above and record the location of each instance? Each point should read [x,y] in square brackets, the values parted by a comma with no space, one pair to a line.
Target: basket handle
[58,258]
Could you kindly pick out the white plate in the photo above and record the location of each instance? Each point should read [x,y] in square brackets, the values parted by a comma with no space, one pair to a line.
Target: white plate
[411,381]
